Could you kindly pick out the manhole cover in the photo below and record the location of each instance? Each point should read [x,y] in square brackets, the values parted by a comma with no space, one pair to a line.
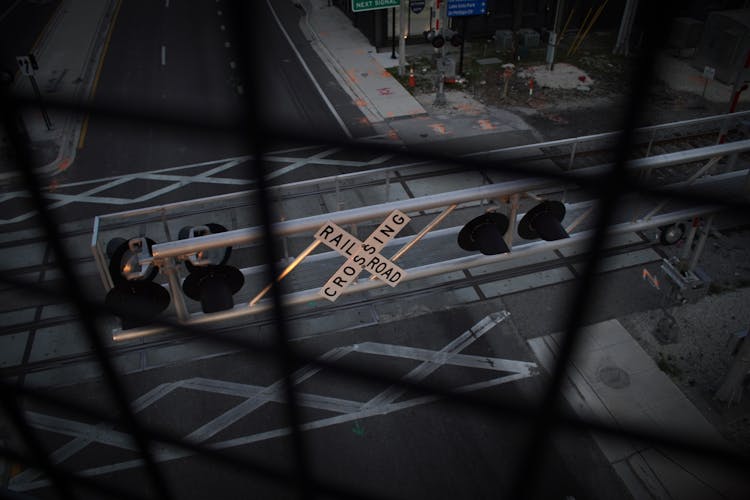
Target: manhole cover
[614,377]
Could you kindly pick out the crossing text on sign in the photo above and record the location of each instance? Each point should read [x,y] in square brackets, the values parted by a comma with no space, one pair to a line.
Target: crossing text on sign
[362,256]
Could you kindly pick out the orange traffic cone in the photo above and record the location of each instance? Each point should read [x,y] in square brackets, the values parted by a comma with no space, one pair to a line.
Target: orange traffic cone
[412,81]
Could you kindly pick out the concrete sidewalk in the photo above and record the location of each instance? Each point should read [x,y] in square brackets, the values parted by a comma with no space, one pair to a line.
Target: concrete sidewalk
[69,54]
[356,65]
[397,116]
[614,380]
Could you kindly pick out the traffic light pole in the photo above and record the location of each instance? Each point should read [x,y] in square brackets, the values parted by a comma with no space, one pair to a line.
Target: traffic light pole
[461,54]
[402,38]
[393,33]
[442,17]
[38,95]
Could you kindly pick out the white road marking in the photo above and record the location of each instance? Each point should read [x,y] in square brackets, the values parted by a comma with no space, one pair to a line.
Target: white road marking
[240,89]
[222,27]
[74,446]
[248,406]
[328,103]
[182,180]
[256,396]
[299,163]
[218,12]
[227,44]
[164,454]
[232,64]
[425,369]
[166,4]
[163,55]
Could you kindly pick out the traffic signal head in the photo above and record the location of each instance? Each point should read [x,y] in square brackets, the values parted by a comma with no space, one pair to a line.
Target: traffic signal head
[671,234]
[485,233]
[214,256]
[211,282]
[437,39]
[135,298]
[544,221]
[454,37]
[213,286]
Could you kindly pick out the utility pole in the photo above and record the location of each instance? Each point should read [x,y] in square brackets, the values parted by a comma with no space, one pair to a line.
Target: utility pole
[461,54]
[393,33]
[552,42]
[442,17]
[730,391]
[622,46]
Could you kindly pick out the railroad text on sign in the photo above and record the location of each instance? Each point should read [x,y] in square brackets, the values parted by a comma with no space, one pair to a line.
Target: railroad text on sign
[362,255]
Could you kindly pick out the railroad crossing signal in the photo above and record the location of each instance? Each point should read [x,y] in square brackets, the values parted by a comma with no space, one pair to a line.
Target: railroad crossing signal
[362,256]
[27,64]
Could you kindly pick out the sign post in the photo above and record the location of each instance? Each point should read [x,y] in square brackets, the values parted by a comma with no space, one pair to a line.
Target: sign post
[361,256]
[28,65]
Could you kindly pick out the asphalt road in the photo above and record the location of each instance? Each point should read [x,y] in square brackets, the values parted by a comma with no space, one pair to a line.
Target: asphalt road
[435,449]
[180,61]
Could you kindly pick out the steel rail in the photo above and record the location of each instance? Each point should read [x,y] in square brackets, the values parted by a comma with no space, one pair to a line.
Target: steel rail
[251,235]
[179,339]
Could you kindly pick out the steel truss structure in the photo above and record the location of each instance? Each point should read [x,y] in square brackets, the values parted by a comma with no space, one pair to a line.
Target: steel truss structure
[607,184]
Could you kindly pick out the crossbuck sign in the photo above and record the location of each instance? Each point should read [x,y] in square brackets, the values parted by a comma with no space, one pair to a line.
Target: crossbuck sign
[362,256]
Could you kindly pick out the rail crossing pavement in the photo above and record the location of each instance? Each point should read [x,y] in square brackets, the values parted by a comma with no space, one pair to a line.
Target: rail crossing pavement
[248,398]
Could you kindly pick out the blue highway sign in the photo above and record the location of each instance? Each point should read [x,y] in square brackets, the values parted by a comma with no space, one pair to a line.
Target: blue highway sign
[461,8]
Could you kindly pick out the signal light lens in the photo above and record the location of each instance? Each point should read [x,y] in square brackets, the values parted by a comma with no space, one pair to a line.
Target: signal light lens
[485,233]
[544,221]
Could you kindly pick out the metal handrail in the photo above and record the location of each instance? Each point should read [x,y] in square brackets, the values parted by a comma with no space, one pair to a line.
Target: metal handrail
[245,236]
[614,134]
[426,271]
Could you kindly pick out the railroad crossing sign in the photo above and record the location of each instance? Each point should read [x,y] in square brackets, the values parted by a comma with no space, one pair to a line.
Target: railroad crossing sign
[362,256]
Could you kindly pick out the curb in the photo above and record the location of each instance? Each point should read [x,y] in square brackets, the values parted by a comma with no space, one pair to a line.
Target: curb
[71,130]
[336,69]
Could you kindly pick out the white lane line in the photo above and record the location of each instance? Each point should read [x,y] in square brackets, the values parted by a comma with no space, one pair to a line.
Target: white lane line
[232,64]
[218,12]
[301,162]
[166,454]
[163,55]
[259,399]
[166,4]
[309,73]
[240,89]
[227,44]
[222,27]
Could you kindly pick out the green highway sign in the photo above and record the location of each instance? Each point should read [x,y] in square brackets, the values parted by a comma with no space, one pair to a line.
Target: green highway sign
[361,5]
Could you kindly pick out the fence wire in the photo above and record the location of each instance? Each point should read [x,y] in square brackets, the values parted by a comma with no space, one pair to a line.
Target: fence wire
[543,418]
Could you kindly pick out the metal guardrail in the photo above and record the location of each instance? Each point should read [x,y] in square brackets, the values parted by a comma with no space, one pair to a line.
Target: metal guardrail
[575,141]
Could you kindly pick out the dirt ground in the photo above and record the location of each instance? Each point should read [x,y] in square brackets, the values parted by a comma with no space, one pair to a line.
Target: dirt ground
[557,113]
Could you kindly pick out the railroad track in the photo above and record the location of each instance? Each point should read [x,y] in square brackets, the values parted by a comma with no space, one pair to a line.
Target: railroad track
[256,322]
[400,175]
